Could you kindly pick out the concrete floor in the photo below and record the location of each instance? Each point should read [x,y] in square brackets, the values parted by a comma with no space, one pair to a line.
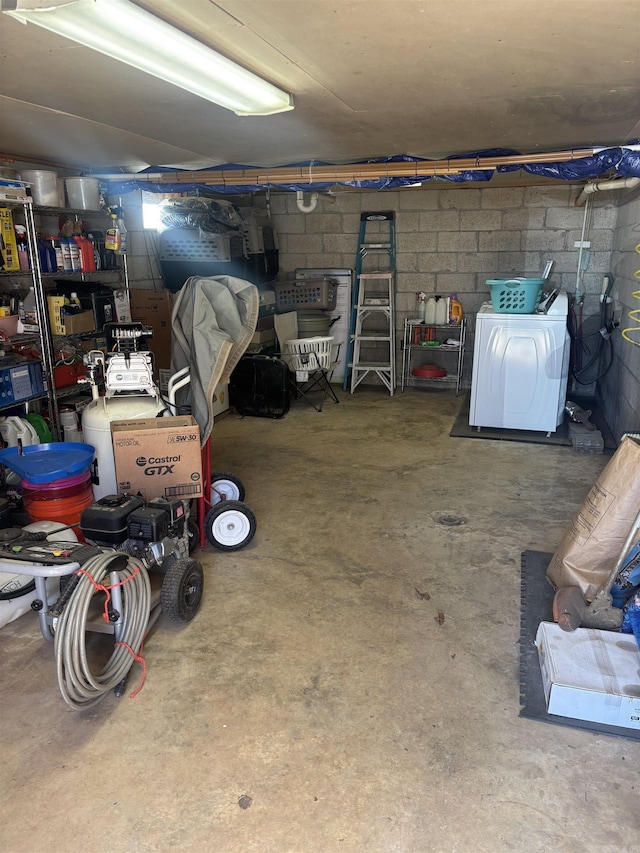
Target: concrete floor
[314,680]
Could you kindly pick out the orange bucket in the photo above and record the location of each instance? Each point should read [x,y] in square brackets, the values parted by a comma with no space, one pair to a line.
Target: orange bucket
[43,506]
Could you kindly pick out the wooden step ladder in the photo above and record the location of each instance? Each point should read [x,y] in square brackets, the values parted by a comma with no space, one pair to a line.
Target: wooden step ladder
[372,339]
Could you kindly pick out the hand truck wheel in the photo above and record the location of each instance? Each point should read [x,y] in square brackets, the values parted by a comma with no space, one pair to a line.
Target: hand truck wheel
[226,487]
[229,526]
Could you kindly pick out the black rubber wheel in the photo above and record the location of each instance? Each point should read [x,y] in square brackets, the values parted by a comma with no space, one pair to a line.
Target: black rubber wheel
[229,526]
[226,487]
[181,591]
[193,532]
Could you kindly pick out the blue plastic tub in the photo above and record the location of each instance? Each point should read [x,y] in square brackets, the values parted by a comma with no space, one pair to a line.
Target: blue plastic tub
[515,295]
[44,463]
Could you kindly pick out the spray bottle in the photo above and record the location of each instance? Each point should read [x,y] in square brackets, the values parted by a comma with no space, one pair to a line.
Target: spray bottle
[116,236]
[422,305]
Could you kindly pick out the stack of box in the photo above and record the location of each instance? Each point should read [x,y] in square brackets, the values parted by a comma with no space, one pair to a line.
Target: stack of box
[264,337]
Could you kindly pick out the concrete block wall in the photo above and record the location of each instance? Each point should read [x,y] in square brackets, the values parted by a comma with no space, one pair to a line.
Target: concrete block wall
[452,239]
[142,259]
[619,390]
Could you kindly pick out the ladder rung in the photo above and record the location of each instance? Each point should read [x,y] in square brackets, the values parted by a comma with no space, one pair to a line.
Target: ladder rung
[370,365]
[388,275]
[365,250]
[375,299]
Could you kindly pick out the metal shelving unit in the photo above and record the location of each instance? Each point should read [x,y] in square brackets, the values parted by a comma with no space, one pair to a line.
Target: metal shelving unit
[423,341]
[43,334]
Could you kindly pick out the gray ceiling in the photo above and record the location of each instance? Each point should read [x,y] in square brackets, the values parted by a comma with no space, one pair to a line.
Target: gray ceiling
[370,78]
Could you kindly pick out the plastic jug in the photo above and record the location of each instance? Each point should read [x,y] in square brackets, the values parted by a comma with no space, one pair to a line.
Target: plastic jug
[437,311]
[455,310]
[14,431]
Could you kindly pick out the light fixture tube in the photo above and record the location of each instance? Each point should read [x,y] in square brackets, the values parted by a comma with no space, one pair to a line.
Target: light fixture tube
[123,31]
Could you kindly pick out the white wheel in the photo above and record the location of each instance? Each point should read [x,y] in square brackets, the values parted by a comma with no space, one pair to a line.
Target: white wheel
[229,526]
[225,487]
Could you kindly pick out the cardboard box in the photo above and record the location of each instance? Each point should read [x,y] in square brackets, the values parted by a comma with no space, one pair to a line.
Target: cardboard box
[76,324]
[265,323]
[158,457]
[68,324]
[153,307]
[13,191]
[590,675]
[10,260]
[266,336]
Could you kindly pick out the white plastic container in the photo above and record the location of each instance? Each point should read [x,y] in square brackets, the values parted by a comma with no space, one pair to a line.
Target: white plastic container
[70,426]
[83,193]
[437,311]
[44,186]
[14,429]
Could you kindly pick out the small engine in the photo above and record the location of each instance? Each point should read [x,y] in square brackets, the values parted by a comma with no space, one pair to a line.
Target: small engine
[151,531]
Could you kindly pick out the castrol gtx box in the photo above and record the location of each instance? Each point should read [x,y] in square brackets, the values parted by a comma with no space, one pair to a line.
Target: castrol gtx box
[158,457]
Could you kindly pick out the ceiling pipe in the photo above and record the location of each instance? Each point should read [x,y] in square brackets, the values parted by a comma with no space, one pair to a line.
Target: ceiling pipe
[310,206]
[347,173]
[600,186]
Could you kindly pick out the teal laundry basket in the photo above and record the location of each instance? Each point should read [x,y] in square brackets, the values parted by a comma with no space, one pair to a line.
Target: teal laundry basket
[515,295]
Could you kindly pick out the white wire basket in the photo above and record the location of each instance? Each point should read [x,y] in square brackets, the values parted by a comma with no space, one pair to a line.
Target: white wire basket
[305,355]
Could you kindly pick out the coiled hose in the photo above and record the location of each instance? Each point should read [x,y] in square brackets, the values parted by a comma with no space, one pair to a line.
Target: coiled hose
[80,688]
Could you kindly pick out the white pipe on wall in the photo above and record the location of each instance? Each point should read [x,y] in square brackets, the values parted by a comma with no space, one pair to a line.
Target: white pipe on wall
[599,186]
[310,206]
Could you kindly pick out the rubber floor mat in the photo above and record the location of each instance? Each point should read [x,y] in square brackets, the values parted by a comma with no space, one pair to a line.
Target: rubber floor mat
[559,438]
[536,602]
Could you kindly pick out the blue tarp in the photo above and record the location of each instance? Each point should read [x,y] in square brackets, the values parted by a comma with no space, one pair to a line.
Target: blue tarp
[621,161]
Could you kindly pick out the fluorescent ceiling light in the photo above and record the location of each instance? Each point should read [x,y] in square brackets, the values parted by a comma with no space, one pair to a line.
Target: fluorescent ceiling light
[126,32]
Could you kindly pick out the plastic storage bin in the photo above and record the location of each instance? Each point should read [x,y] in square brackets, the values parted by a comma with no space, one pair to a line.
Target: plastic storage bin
[319,293]
[515,295]
[307,353]
[44,187]
[83,193]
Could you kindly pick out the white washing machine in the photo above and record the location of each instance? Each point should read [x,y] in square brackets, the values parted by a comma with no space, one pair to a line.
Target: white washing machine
[520,368]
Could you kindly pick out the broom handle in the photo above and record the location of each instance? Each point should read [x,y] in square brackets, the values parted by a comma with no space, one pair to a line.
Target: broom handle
[628,542]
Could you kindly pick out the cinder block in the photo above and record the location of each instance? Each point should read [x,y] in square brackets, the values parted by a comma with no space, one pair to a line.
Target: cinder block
[442,220]
[588,442]
[480,220]
[499,241]
[457,241]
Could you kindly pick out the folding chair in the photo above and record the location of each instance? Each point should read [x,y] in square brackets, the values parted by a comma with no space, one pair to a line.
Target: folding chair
[311,362]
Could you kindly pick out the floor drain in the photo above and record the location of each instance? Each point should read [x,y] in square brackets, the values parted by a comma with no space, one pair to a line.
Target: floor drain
[448,519]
